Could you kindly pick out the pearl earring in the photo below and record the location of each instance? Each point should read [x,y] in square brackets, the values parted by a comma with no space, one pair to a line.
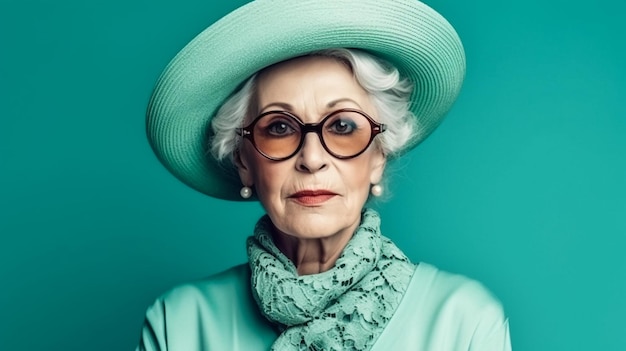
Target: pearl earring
[376,190]
[245,192]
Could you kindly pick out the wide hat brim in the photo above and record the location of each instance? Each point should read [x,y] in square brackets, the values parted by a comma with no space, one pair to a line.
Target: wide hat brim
[412,36]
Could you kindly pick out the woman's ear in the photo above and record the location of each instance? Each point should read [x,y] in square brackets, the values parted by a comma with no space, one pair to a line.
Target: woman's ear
[379,161]
[243,168]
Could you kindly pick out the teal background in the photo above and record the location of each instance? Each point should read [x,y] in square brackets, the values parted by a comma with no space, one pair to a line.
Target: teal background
[523,187]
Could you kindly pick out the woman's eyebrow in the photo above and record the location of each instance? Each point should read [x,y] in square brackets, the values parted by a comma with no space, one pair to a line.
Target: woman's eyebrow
[336,101]
[287,107]
[283,105]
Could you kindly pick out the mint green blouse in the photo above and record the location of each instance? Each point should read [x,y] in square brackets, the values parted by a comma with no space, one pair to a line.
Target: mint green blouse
[439,312]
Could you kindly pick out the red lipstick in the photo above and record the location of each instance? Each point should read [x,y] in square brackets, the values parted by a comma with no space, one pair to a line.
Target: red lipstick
[312,197]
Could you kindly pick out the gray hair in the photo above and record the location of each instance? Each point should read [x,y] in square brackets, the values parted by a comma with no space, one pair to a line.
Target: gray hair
[389,92]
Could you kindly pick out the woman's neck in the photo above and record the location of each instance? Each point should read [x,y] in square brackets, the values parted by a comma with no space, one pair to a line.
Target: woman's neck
[311,256]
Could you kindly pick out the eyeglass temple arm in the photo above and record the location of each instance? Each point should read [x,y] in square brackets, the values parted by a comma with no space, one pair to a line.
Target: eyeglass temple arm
[242,131]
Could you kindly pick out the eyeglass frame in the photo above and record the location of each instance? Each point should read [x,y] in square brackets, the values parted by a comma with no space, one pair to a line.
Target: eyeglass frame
[247,132]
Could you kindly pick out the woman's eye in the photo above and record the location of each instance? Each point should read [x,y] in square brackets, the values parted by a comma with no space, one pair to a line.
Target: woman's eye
[279,128]
[342,126]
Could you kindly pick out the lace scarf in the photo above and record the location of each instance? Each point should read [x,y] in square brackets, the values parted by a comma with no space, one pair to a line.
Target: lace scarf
[344,308]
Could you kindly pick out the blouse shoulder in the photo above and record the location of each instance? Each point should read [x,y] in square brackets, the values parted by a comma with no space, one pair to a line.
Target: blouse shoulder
[447,311]
[207,314]
[457,290]
[224,285]
[467,305]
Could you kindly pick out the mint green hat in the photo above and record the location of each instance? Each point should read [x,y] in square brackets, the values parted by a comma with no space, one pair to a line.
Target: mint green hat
[409,34]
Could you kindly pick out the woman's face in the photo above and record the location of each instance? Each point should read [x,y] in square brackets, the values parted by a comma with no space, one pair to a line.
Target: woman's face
[312,194]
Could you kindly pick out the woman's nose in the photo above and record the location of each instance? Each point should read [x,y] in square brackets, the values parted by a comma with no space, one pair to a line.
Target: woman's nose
[312,157]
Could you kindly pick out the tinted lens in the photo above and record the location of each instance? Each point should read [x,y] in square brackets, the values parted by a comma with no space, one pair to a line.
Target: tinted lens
[277,135]
[347,133]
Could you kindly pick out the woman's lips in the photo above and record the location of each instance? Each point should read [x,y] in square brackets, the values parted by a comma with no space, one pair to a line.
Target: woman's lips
[312,197]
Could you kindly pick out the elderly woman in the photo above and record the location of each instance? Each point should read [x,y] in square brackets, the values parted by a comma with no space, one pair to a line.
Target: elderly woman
[269,104]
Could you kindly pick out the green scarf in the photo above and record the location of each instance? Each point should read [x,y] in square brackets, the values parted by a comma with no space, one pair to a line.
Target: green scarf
[345,308]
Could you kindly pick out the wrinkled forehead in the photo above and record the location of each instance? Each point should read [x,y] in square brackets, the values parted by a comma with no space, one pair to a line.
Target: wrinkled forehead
[308,84]
[309,59]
